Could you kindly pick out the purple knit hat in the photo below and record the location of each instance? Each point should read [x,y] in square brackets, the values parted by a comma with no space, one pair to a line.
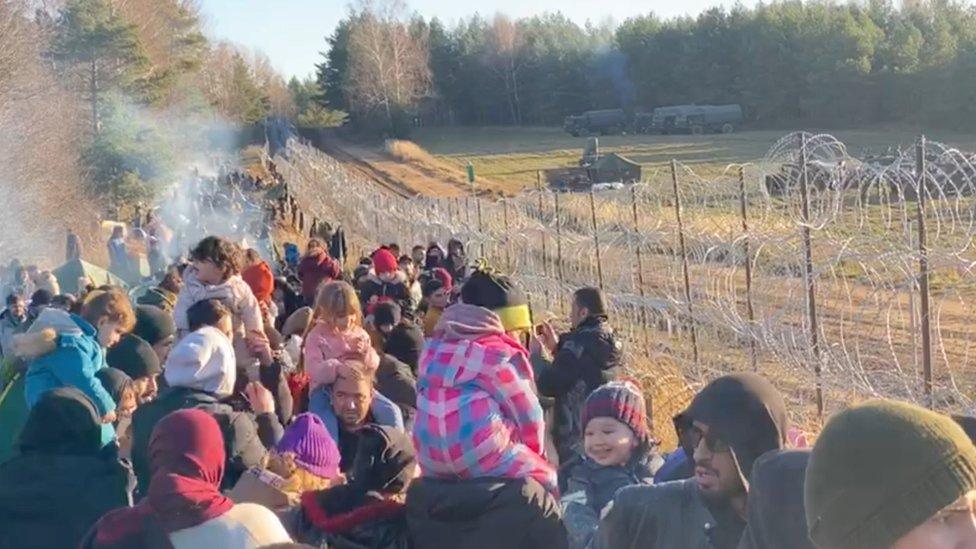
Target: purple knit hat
[312,445]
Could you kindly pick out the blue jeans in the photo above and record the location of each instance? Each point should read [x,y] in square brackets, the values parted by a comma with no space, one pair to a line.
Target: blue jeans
[383,410]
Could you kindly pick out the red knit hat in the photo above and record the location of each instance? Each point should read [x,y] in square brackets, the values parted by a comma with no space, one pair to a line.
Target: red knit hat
[622,401]
[261,280]
[384,261]
[440,273]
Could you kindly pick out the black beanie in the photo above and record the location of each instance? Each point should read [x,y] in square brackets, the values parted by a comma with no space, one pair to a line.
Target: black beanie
[153,324]
[41,298]
[501,295]
[134,356]
[387,313]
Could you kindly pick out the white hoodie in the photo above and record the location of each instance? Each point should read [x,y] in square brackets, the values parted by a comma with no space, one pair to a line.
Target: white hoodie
[203,360]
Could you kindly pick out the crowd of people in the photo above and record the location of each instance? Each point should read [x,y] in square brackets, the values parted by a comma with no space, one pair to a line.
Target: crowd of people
[414,402]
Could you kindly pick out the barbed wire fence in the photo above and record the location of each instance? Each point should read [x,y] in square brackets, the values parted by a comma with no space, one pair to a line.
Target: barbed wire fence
[839,278]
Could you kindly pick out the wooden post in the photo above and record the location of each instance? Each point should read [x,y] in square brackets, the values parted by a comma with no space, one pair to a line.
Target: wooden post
[640,269]
[596,240]
[923,270]
[684,263]
[808,275]
[508,237]
[481,227]
[748,261]
[545,255]
[559,248]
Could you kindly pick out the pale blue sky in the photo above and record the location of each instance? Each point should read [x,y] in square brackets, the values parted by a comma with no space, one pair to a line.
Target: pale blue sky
[292,32]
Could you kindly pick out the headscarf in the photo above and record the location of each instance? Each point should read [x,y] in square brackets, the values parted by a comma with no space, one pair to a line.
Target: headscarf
[63,422]
[115,382]
[186,457]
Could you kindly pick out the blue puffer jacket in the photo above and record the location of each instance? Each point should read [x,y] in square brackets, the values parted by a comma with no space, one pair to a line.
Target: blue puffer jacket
[62,350]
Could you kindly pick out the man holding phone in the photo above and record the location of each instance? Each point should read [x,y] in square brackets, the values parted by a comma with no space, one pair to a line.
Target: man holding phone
[571,366]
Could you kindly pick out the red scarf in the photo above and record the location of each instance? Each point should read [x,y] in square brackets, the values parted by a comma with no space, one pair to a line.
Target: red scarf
[186,455]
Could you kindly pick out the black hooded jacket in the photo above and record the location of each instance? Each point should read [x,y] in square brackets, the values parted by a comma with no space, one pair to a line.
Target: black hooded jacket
[585,359]
[776,513]
[63,481]
[748,413]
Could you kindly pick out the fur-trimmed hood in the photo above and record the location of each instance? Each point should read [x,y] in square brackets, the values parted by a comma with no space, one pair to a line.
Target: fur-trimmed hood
[42,337]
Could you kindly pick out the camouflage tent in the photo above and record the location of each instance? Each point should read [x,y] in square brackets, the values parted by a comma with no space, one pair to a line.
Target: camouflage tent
[612,168]
[69,273]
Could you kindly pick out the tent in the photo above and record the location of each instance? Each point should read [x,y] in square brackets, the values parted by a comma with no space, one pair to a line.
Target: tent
[69,273]
[614,167]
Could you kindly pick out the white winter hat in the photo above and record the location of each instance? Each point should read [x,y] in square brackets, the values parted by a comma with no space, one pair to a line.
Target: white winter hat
[203,360]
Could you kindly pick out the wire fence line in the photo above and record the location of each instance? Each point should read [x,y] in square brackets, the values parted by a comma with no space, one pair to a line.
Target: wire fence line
[816,268]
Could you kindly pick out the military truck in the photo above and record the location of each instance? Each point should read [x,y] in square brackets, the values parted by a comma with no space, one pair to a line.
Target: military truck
[695,119]
[603,122]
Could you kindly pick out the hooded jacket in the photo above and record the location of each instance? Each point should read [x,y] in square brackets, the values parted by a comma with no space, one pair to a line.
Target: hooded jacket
[484,513]
[9,326]
[586,358]
[405,342]
[374,290]
[62,481]
[471,370]
[395,381]
[62,350]
[247,437]
[237,296]
[203,360]
[315,268]
[776,514]
[747,412]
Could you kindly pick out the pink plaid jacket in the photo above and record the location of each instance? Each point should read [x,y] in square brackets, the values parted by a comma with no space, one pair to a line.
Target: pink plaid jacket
[477,412]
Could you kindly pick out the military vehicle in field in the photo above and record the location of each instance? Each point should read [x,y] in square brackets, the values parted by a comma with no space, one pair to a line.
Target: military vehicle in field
[603,122]
[694,119]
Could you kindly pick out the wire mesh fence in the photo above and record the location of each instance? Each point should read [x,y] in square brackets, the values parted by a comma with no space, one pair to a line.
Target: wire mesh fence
[820,270]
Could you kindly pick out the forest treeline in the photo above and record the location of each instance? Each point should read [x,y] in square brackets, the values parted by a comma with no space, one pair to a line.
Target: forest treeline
[103,101]
[789,62]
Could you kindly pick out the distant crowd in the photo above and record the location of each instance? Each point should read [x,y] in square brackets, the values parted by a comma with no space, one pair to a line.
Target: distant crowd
[244,401]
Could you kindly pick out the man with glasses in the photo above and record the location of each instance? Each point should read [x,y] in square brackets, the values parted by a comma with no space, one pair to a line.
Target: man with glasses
[730,423]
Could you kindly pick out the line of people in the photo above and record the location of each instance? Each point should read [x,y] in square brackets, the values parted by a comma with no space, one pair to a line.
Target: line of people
[416,403]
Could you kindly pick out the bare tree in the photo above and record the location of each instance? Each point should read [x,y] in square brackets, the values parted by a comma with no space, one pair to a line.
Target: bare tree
[388,64]
[506,57]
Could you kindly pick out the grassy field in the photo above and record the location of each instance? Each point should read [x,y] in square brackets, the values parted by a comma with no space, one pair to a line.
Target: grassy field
[513,156]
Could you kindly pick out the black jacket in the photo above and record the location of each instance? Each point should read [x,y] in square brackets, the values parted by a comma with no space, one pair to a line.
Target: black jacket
[776,516]
[51,500]
[585,359]
[397,291]
[247,437]
[484,513]
[395,381]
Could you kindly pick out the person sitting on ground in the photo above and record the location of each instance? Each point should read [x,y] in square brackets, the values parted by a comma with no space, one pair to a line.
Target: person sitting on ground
[369,510]
[200,373]
[316,268]
[887,474]
[583,359]
[736,418]
[164,295]
[214,275]
[618,452]
[183,507]
[397,335]
[133,356]
[305,459]
[355,402]
[776,518]
[62,481]
[11,321]
[65,350]
[337,333]
[120,386]
[385,283]
[437,297]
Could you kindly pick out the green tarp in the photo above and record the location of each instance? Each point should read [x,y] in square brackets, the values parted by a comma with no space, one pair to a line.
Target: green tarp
[69,273]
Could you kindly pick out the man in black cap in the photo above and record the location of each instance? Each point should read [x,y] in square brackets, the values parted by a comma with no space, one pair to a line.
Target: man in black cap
[138,360]
[401,337]
[736,419]
[157,328]
[583,359]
